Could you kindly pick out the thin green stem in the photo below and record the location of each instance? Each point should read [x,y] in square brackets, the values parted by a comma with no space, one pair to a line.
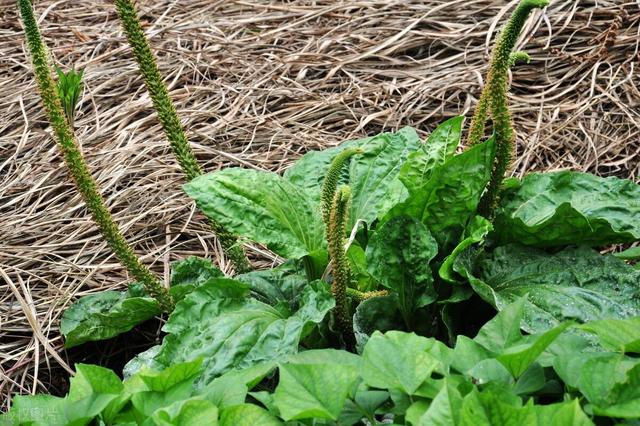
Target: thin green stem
[170,122]
[77,166]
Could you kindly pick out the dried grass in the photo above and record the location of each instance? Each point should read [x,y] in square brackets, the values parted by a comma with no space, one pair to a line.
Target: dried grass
[257,85]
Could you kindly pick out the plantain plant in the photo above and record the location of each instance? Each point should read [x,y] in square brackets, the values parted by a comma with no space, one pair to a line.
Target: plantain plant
[78,169]
[170,121]
[423,271]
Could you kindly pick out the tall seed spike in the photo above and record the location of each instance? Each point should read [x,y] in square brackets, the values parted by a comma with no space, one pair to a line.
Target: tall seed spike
[77,166]
[331,180]
[494,96]
[341,271]
[170,122]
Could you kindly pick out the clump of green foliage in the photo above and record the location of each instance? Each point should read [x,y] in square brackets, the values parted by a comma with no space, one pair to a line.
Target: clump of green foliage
[444,313]
[170,122]
[69,89]
[75,162]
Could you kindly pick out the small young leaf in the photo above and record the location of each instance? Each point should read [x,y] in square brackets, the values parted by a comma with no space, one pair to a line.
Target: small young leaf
[475,232]
[440,146]
[189,412]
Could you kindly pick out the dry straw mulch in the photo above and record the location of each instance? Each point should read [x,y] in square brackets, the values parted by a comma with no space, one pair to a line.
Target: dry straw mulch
[258,84]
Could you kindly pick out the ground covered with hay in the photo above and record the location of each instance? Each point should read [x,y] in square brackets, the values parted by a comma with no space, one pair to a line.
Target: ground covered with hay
[257,85]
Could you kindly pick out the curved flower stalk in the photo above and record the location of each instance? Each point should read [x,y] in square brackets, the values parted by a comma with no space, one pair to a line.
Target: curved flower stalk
[170,121]
[77,166]
[494,97]
[331,181]
[341,272]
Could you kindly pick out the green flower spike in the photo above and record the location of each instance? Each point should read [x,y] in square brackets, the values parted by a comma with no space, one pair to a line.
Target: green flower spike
[331,180]
[77,166]
[494,97]
[341,273]
[170,121]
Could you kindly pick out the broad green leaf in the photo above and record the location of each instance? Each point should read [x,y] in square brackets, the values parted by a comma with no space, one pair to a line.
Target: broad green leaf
[158,389]
[447,201]
[623,400]
[358,264]
[476,231]
[489,408]
[37,410]
[263,207]
[560,208]
[372,176]
[562,414]
[617,335]
[162,381]
[503,330]
[576,284]
[104,315]
[325,356]
[601,374]
[189,273]
[364,404]
[491,371]
[468,353]
[440,146]
[398,257]
[632,253]
[229,330]
[193,271]
[415,411]
[190,412]
[248,415]
[398,360]
[376,314]
[144,359]
[283,283]
[444,409]
[307,391]
[91,390]
[519,357]
[532,380]
[225,391]
[570,365]
[611,382]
